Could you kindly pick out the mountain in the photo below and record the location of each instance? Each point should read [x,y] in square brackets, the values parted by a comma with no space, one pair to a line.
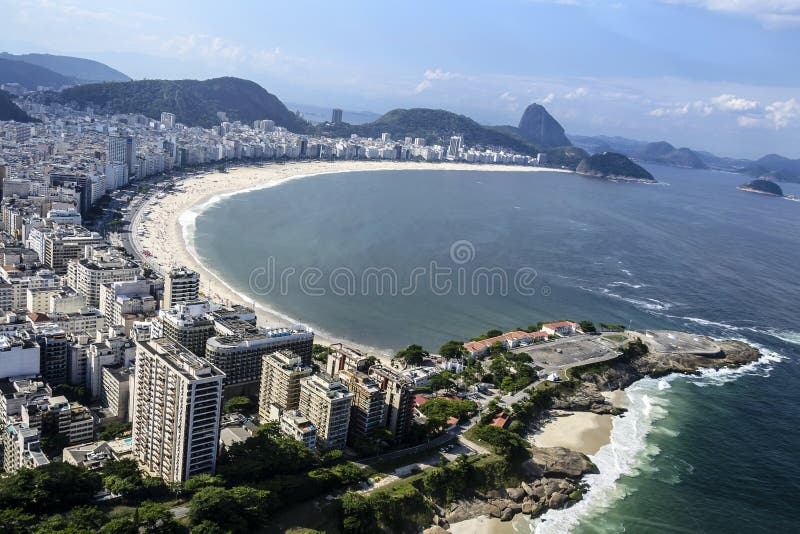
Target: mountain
[434,125]
[86,70]
[666,154]
[538,127]
[775,167]
[765,187]
[9,111]
[658,152]
[194,103]
[30,76]
[316,114]
[613,166]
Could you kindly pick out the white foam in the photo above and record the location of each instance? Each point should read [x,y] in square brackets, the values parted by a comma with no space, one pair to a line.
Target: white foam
[627,284]
[629,453]
[786,335]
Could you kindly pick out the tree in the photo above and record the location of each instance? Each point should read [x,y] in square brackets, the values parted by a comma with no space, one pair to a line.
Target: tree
[114,430]
[452,350]
[155,518]
[507,384]
[239,405]
[413,355]
[202,481]
[15,520]
[207,527]
[357,516]
[238,509]
[441,380]
[588,326]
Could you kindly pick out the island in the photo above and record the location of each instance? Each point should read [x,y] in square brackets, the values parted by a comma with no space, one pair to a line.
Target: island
[614,167]
[762,187]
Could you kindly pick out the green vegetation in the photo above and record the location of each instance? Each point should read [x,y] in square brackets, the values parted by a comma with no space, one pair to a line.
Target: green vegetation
[506,443]
[29,75]
[239,509]
[440,409]
[244,405]
[610,326]
[413,355]
[452,350]
[511,371]
[610,165]
[9,111]
[588,326]
[194,103]
[71,67]
[764,186]
[114,430]
[320,353]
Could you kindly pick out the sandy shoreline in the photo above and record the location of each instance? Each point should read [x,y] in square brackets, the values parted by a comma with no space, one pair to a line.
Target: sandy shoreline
[169,223]
[584,432]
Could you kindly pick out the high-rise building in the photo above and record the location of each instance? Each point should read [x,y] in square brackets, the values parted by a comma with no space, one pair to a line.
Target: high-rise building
[53,354]
[345,359]
[22,448]
[336,116]
[122,303]
[176,411]
[326,403]
[168,119]
[241,353]
[180,285]
[369,403]
[101,265]
[296,425]
[19,356]
[187,323]
[399,411]
[454,150]
[122,149]
[281,372]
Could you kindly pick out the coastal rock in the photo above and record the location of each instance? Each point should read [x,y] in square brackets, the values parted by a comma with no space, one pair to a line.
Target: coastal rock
[467,509]
[515,494]
[558,462]
[527,507]
[557,500]
[496,494]
[538,127]
[436,529]
[586,398]
[527,489]
[494,511]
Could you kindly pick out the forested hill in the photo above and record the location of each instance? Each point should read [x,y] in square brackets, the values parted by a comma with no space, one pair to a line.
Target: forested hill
[194,103]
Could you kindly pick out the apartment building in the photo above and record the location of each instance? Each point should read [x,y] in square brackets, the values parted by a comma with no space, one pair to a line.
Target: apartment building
[281,372]
[369,404]
[399,410]
[326,403]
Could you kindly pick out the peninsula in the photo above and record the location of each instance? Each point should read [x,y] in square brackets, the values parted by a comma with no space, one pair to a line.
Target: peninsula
[614,167]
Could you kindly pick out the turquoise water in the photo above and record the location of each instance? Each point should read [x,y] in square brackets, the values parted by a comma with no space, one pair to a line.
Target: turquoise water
[707,454]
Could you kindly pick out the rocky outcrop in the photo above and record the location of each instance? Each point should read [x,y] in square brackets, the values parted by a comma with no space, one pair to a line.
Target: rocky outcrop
[539,128]
[614,167]
[763,187]
[586,398]
[619,374]
[558,462]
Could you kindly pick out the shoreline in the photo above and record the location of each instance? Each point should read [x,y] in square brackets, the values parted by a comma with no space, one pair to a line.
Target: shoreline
[170,223]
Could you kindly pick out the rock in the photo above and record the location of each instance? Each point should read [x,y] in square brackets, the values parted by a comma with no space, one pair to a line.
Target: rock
[496,494]
[539,493]
[527,507]
[515,494]
[527,489]
[538,127]
[557,500]
[558,462]
[436,529]
[507,515]
[494,511]
[536,509]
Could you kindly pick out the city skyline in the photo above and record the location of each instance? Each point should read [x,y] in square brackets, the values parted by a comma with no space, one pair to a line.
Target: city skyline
[599,67]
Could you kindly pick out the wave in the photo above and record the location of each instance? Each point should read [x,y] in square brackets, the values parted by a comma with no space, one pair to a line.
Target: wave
[626,455]
[627,284]
[706,322]
[629,453]
[785,335]
[646,304]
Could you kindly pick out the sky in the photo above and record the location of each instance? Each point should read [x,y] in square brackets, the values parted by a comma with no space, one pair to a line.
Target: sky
[717,75]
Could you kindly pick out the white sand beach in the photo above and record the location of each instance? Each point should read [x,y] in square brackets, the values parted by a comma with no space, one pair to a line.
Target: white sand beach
[166,236]
[584,432]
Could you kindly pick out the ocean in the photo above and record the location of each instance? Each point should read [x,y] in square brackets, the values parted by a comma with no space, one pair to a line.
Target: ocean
[390,258]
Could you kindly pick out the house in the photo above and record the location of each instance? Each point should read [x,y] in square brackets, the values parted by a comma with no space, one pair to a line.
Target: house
[501,420]
[509,340]
[561,328]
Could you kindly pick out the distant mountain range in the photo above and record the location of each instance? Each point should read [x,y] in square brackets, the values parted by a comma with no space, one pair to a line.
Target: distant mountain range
[772,166]
[33,70]
[9,111]
[317,114]
[194,103]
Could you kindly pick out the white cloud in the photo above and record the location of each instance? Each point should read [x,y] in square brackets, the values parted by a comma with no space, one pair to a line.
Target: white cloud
[771,13]
[728,102]
[577,93]
[422,86]
[438,74]
[783,114]
[549,98]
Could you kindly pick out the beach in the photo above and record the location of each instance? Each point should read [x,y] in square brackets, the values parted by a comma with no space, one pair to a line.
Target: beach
[169,223]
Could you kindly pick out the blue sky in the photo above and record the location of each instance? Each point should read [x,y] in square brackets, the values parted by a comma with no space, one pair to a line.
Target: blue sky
[719,75]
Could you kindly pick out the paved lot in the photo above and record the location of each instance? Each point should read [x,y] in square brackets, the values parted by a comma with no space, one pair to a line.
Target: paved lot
[670,341]
[570,351]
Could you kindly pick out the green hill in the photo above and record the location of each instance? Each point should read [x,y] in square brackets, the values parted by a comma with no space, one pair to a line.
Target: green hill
[611,165]
[194,103]
[86,70]
[30,76]
[9,111]
[766,187]
[436,126]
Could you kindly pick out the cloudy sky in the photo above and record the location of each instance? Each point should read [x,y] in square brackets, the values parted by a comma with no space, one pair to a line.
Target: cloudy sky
[719,75]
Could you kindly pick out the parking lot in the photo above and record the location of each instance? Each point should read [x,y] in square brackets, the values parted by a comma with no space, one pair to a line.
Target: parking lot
[570,351]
